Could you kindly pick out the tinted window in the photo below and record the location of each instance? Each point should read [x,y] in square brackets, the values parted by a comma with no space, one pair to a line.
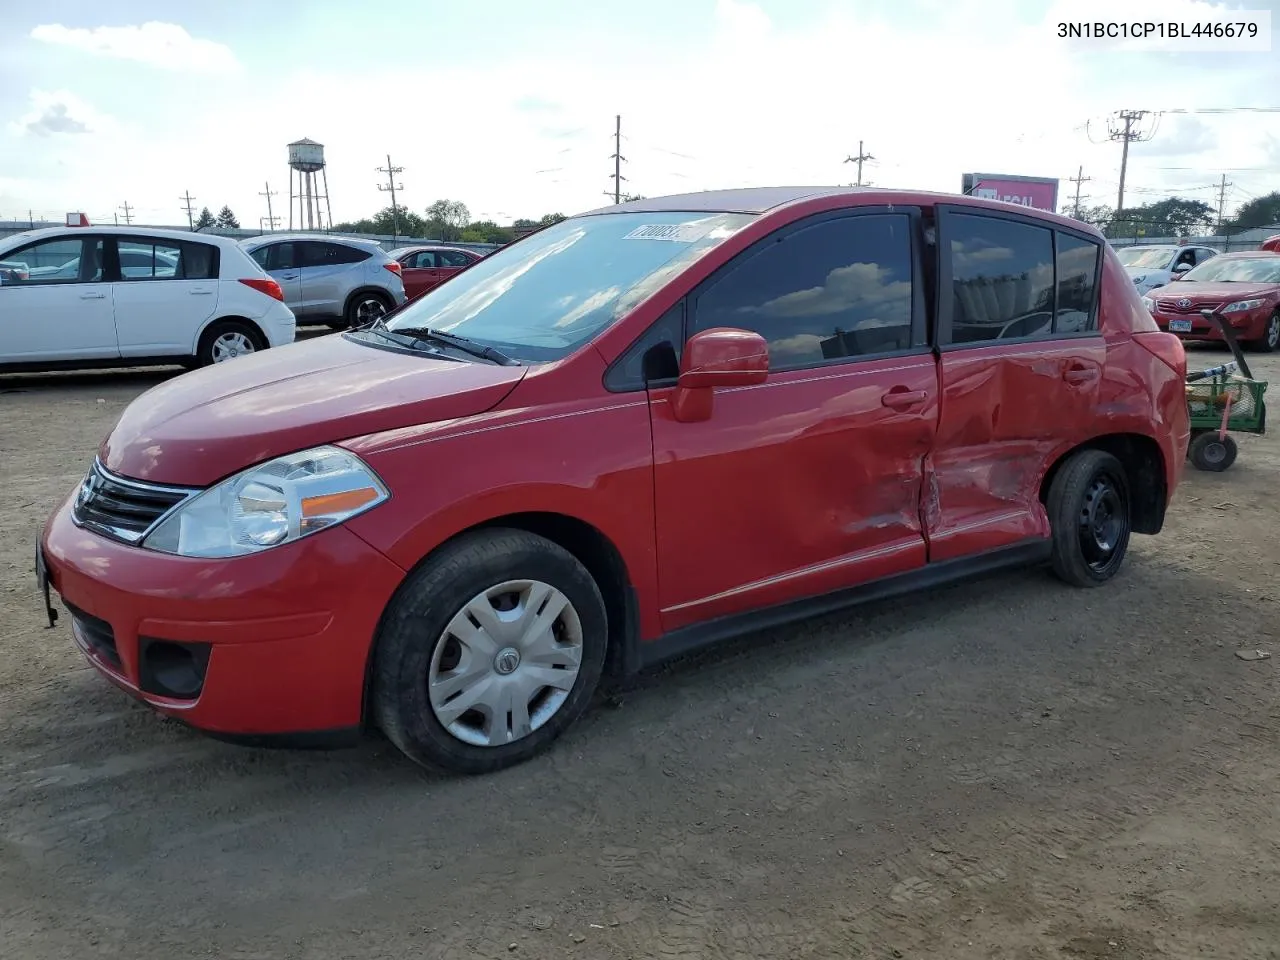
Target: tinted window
[838,288]
[143,259]
[62,260]
[1203,254]
[276,256]
[423,258]
[331,254]
[654,358]
[452,258]
[1077,285]
[1002,279]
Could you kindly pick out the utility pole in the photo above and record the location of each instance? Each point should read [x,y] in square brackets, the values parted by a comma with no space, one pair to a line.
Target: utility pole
[861,158]
[392,186]
[1222,201]
[1126,135]
[128,216]
[188,200]
[1078,179]
[272,219]
[617,159]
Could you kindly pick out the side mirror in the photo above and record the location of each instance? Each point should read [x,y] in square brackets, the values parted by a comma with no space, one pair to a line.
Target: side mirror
[1179,270]
[721,357]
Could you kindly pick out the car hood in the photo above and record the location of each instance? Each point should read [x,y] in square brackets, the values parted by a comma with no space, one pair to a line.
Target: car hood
[1144,271]
[200,427]
[1213,292]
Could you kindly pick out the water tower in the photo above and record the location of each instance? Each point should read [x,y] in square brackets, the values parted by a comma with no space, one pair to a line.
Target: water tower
[306,159]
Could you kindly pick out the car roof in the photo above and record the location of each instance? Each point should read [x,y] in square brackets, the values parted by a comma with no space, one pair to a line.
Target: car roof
[431,246]
[360,242]
[158,232]
[760,200]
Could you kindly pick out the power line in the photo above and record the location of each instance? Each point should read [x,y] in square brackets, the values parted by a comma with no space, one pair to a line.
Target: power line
[617,159]
[1078,179]
[128,213]
[272,220]
[392,187]
[1126,135]
[861,158]
[187,199]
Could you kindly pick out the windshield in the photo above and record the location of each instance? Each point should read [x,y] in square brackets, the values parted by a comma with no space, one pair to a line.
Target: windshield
[1249,270]
[543,297]
[1148,258]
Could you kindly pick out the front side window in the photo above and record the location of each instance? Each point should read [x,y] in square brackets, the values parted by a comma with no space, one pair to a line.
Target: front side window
[542,298]
[836,289]
[423,259]
[61,260]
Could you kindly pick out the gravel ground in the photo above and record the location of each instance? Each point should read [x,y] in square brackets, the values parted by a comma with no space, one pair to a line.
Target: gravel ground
[1005,769]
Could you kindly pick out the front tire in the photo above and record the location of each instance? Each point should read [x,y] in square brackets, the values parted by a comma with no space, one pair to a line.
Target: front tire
[488,652]
[1091,517]
[226,340]
[1269,342]
[365,308]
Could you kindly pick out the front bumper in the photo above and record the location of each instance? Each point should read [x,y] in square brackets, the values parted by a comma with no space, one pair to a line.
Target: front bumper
[279,640]
[1247,325]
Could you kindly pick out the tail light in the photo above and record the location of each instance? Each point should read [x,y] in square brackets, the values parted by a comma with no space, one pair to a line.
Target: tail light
[1165,347]
[265,285]
[393,266]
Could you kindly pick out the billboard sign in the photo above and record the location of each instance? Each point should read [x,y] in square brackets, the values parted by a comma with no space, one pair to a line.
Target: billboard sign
[1038,192]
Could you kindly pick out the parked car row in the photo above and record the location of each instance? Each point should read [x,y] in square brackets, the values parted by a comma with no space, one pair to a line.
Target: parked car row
[640,430]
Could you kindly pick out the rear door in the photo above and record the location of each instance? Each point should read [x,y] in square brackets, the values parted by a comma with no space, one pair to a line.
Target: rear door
[280,260]
[59,307]
[164,293]
[327,277]
[811,480]
[452,261]
[1021,365]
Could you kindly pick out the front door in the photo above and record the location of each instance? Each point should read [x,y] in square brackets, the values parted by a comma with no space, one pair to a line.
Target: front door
[165,292]
[57,306]
[420,272]
[326,277]
[810,481]
[1021,365]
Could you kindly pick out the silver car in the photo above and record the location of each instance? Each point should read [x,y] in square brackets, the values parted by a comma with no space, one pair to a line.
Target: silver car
[337,281]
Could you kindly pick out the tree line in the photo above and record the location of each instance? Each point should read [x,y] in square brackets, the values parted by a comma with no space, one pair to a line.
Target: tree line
[446,220]
[1178,217]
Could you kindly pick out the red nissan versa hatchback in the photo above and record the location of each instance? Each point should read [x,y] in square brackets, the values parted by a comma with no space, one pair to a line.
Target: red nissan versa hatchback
[634,432]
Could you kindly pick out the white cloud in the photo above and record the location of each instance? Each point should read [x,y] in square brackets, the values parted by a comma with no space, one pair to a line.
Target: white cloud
[59,112]
[165,45]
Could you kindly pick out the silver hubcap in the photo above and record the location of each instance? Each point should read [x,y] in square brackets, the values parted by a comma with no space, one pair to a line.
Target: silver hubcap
[369,310]
[1273,333]
[231,345]
[506,663]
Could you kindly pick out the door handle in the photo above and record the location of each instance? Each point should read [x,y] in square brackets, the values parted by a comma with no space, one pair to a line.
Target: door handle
[1081,375]
[93,296]
[288,276]
[901,399]
[202,292]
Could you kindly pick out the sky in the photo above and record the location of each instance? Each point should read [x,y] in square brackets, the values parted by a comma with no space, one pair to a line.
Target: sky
[509,106]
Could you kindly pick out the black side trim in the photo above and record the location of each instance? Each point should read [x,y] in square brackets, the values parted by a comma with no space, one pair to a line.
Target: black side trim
[688,639]
[338,739]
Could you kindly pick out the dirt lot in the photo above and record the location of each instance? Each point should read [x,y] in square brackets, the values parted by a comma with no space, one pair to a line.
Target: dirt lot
[1008,769]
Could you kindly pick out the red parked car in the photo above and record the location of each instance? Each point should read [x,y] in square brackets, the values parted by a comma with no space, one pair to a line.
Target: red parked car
[632,433]
[425,267]
[1244,288]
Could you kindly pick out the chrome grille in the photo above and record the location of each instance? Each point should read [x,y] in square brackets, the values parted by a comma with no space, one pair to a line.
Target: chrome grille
[1171,306]
[124,510]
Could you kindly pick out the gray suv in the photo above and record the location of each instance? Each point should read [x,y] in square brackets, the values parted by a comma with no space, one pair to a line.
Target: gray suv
[336,281]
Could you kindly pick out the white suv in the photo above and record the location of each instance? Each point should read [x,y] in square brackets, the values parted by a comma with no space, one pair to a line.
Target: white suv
[129,296]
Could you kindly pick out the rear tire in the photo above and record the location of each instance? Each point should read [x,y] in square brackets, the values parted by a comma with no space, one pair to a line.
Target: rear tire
[228,339]
[1270,340]
[1091,515]
[472,670]
[1207,452]
[364,308]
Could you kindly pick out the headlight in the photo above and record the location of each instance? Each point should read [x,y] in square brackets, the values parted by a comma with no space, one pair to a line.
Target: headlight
[276,502]
[1141,279]
[1243,305]
[1149,304]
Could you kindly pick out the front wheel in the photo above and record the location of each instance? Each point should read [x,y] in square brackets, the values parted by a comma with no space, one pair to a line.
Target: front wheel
[1269,342]
[490,650]
[1091,518]
[1207,452]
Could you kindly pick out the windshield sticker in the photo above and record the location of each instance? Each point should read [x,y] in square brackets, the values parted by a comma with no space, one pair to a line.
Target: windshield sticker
[679,232]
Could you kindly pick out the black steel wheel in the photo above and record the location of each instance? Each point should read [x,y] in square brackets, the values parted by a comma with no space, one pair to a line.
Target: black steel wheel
[1091,518]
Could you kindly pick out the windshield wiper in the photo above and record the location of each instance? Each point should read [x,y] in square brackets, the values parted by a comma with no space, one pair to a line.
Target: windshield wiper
[464,344]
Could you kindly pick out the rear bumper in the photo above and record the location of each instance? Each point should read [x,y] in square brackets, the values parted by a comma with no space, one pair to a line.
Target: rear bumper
[280,639]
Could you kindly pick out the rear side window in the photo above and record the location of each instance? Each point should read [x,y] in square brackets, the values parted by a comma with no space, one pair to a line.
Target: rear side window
[838,289]
[145,259]
[1011,280]
[331,254]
